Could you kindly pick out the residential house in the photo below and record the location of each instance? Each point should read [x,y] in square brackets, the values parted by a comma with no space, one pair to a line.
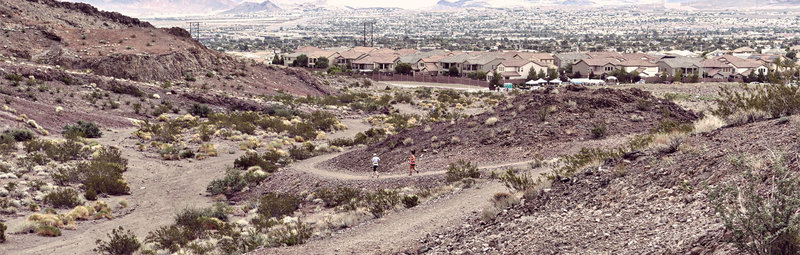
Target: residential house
[716,69]
[414,59]
[767,60]
[430,65]
[346,59]
[604,54]
[645,68]
[717,53]
[742,66]
[592,66]
[515,68]
[471,62]
[313,57]
[380,62]
[743,52]
[562,60]
[671,65]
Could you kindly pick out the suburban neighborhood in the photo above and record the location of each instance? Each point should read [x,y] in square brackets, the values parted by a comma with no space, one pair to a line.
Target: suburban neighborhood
[741,64]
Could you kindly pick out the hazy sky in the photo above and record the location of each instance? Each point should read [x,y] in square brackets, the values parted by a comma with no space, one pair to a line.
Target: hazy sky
[408,4]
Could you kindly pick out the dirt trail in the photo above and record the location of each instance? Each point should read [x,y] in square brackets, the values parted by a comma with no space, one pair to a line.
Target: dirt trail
[158,190]
[400,230]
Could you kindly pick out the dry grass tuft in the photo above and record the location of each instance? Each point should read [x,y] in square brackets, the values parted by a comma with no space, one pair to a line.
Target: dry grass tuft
[708,123]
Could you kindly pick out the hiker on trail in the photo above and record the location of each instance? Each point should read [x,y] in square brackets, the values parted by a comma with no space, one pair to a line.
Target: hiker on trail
[413,161]
[375,160]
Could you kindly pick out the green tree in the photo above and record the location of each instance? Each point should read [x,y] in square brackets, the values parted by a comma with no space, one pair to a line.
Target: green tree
[791,54]
[694,78]
[322,62]
[634,76]
[481,75]
[552,74]
[301,61]
[541,74]
[762,77]
[532,74]
[276,60]
[496,78]
[664,76]
[752,76]
[678,76]
[453,71]
[403,68]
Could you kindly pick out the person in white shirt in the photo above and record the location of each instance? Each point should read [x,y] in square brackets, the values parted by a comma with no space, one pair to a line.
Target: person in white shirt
[375,160]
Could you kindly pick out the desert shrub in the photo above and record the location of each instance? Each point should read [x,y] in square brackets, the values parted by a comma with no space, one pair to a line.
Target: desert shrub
[248,160]
[708,123]
[186,154]
[761,214]
[62,198]
[83,129]
[343,196]
[170,238]
[302,152]
[201,110]
[66,151]
[302,129]
[322,120]
[381,201]
[290,234]
[199,220]
[401,121]
[517,182]
[410,201]
[572,163]
[462,169]
[49,231]
[119,243]
[20,135]
[277,205]
[90,194]
[104,173]
[342,142]
[667,125]
[598,130]
[504,200]
[774,99]
[644,105]
[746,116]
[128,89]
[3,232]
[668,143]
[491,121]
[229,185]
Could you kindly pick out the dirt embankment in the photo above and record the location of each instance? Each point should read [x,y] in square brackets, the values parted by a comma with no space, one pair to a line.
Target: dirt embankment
[547,124]
[79,37]
[651,204]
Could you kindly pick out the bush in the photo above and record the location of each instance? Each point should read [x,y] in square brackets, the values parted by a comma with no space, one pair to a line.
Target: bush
[462,169]
[3,232]
[82,129]
[62,198]
[522,182]
[90,194]
[250,159]
[104,173]
[504,200]
[119,243]
[46,230]
[277,205]
[170,238]
[302,152]
[599,131]
[322,120]
[380,201]
[229,185]
[20,135]
[290,234]
[341,196]
[410,201]
[491,121]
[762,214]
[774,99]
[201,110]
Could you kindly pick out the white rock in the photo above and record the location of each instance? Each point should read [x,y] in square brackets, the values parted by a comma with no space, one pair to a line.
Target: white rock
[156,96]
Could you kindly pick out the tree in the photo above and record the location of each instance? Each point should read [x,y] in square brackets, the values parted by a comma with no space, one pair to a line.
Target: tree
[678,76]
[664,76]
[322,62]
[403,68]
[552,74]
[577,74]
[301,61]
[592,75]
[568,69]
[751,77]
[792,54]
[453,71]
[621,74]
[276,60]
[761,76]
[541,74]
[496,78]
[532,74]
[481,75]
[694,78]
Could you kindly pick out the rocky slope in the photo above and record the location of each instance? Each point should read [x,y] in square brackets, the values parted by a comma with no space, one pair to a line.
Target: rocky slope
[538,124]
[648,203]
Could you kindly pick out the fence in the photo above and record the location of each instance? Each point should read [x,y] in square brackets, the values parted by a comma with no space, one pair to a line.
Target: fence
[425,79]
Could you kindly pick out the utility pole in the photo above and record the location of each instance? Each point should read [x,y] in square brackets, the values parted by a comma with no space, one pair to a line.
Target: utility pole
[194,30]
[371,35]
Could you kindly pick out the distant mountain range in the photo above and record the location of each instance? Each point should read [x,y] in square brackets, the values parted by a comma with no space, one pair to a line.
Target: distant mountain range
[252,7]
[154,8]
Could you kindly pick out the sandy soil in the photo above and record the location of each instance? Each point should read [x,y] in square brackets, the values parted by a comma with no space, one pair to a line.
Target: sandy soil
[158,190]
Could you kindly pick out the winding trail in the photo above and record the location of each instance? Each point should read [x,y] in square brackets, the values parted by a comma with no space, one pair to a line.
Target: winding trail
[402,229]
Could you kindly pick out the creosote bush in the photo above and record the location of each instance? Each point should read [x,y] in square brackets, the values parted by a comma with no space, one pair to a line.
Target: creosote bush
[119,243]
[775,99]
[462,169]
[346,197]
[83,129]
[381,201]
[761,215]
[62,198]
[277,205]
[518,182]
